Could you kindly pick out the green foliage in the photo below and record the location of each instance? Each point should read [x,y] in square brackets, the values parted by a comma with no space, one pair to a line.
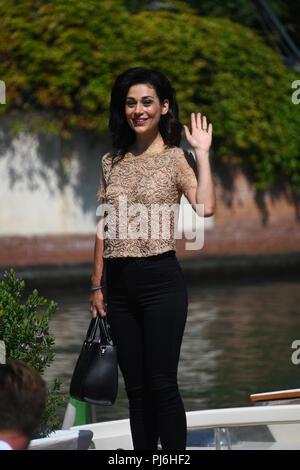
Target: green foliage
[51,422]
[62,57]
[248,13]
[27,337]
[227,72]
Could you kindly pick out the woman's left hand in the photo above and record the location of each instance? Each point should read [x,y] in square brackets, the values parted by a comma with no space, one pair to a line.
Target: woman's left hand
[199,139]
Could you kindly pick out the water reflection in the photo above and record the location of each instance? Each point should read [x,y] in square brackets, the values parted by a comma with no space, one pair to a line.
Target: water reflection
[237,341]
[250,332]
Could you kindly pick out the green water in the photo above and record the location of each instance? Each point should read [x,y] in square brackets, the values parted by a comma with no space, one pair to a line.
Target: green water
[237,341]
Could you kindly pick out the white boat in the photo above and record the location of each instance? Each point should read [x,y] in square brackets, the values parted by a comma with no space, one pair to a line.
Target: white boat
[263,427]
[226,428]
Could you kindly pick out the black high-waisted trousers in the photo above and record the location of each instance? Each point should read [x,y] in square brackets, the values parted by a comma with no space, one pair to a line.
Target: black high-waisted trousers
[146,309]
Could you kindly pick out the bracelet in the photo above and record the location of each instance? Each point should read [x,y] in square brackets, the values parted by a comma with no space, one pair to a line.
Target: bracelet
[97,287]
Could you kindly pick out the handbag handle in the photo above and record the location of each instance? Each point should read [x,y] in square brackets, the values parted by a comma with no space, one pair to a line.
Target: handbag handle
[104,329]
[91,332]
[100,322]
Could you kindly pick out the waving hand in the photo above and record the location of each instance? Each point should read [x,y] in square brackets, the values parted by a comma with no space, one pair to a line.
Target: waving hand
[201,136]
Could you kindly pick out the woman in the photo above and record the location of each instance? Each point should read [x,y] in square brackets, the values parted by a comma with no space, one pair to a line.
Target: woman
[146,292]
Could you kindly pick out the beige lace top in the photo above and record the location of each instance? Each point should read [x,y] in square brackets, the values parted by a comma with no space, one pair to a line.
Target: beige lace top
[141,195]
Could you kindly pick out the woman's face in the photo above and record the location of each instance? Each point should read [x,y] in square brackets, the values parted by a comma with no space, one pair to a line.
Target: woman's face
[143,108]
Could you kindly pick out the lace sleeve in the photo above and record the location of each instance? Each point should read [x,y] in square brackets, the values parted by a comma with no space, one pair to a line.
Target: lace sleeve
[186,172]
[104,168]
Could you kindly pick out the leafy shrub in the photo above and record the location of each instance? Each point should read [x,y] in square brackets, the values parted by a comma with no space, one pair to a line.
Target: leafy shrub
[62,57]
[227,72]
[59,56]
[27,338]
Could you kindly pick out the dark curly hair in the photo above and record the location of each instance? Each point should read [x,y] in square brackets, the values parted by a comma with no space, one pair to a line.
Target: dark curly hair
[169,126]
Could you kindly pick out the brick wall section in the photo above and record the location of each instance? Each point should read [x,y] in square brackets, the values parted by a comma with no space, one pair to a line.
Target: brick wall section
[248,224]
[243,225]
[51,249]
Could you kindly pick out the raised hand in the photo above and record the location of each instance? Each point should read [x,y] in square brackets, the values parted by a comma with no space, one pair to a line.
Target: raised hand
[201,136]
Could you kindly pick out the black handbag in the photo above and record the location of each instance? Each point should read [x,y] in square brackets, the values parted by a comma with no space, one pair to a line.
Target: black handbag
[95,377]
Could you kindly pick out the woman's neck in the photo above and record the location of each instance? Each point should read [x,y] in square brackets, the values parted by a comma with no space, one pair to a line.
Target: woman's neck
[143,143]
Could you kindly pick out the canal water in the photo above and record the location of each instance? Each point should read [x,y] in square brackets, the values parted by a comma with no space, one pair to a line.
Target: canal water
[238,341]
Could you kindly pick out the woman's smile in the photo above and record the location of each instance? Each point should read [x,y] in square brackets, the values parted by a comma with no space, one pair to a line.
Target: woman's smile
[139,121]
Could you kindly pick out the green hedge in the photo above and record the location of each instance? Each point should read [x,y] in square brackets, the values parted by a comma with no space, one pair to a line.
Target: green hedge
[63,56]
[227,72]
[25,332]
[59,56]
